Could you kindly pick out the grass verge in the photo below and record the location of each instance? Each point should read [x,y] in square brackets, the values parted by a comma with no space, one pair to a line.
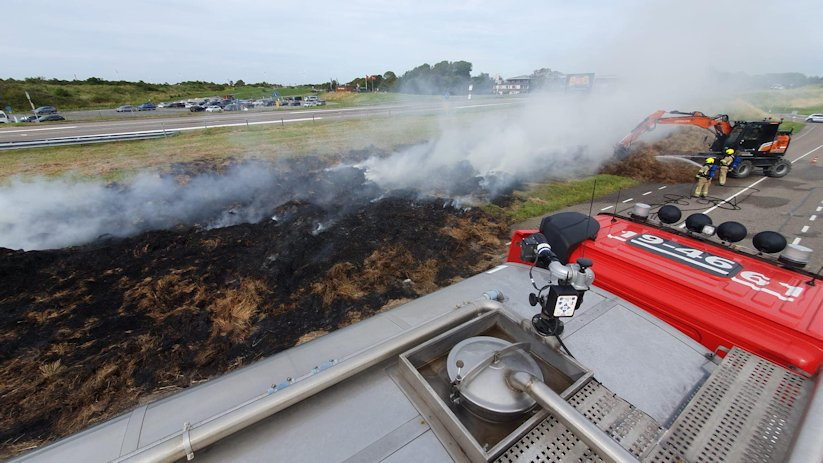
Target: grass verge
[541,199]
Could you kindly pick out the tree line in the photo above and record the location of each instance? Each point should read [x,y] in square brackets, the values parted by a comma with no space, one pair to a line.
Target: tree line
[444,78]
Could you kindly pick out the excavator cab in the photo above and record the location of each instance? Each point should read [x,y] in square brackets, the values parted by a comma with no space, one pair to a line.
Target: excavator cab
[760,137]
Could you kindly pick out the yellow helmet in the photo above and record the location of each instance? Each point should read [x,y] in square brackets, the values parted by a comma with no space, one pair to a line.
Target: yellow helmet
[709,160]
[729,151]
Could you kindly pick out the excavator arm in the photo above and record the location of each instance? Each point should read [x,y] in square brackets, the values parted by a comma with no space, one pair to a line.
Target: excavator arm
[719,124]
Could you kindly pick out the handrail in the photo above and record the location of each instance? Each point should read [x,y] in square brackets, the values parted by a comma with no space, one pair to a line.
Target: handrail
[197,436]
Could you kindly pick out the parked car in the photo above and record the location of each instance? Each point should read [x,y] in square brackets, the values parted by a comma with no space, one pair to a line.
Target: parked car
[29,118]
[45,110]
[815,118]
[3,118]
[162,105]
[126,109]
[214,109]
[147,106]
[51,117]
[314,101]
[176,104]
[197,108]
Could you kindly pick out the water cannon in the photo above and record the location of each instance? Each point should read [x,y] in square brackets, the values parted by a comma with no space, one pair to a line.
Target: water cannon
[534,248]
[564,293]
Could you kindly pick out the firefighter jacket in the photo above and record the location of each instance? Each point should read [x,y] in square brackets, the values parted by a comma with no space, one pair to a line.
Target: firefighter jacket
[707,171]
[727,160]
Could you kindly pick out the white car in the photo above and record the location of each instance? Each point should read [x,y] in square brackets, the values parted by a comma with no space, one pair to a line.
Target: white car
[815,118]
[214,109]
[4,118]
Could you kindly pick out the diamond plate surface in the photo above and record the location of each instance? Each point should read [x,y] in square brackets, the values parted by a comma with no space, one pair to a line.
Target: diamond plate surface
[747,411]
[551,441]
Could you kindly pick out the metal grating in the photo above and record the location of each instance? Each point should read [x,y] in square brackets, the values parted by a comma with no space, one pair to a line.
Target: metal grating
[550,441]
[746,411]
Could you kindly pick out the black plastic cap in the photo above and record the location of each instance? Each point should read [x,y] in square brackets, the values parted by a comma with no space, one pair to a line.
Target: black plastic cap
[731,231]
[769,242]
[669,214]
[696,222]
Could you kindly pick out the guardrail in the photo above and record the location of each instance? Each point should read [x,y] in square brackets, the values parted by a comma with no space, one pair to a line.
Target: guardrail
[84,139]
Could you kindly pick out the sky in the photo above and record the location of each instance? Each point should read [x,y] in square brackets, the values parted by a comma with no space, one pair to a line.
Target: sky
[291,42]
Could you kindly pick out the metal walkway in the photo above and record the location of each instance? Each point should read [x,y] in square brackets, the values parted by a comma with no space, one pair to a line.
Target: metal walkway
[746,411]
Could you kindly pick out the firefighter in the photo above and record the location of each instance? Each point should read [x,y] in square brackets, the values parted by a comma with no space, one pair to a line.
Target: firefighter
[725,163]
[704,178]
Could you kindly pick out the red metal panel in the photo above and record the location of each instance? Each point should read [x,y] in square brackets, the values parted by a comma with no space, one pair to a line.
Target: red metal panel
[716,295]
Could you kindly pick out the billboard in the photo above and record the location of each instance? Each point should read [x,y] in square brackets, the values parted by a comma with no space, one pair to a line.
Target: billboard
[579,82]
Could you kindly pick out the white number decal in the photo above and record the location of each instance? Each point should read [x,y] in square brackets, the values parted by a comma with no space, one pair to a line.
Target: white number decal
[650,239]
[691,252]
[720,262]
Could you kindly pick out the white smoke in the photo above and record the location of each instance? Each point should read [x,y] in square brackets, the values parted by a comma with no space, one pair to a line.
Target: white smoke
[55,213]
[661,56]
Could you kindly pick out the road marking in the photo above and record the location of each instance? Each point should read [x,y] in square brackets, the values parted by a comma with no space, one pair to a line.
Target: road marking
[606,208]
[813,218]
[804,229]
[40,130]
[796,241]
[484,105]
[804,133]
[647,193]
[810,152]
[208,126]
[662,187]
[735,195]
[630,199]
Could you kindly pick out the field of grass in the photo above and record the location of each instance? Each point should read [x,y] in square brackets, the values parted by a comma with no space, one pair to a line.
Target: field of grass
[543,198]
[84,95]
[81,95]
[116,161]
[804,100]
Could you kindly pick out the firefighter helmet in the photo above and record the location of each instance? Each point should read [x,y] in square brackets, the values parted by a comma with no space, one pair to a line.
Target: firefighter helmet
[729,151]
[709,160]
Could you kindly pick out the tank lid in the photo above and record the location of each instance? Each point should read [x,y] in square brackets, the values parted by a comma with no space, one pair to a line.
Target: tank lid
[486,361]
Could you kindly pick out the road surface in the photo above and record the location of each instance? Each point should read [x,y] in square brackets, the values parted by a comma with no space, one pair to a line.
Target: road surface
[183,119]
[792,205]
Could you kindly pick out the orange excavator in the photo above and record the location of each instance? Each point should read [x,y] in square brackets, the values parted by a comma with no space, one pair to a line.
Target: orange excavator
[758,144]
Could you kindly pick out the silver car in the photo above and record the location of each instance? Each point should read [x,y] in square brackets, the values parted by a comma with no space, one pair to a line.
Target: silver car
[815,118]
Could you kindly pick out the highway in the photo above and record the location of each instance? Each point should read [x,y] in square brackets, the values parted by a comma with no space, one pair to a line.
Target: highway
[78,123]
[792,205]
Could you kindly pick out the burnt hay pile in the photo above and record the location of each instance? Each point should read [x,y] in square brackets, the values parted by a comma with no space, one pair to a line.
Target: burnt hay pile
[89,332]
[644,165]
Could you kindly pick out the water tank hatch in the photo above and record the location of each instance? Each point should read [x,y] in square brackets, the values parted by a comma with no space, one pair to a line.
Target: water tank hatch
[486,362]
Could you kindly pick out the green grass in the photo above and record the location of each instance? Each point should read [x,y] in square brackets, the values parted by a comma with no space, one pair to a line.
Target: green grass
[793,126]
[121,159]
[804,100]
[80,95]
[543,198]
